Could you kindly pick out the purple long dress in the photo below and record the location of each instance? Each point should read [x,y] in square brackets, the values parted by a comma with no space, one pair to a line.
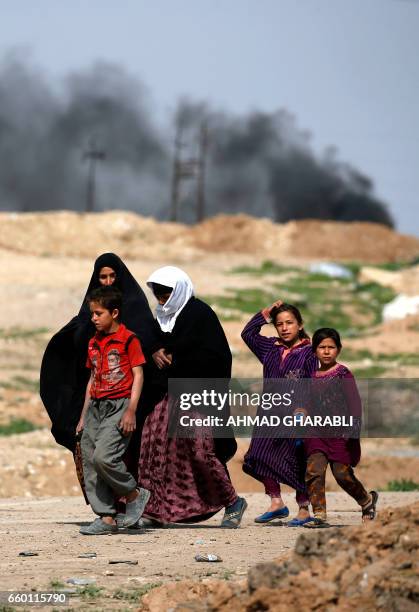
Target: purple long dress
[341,399]
[277,459]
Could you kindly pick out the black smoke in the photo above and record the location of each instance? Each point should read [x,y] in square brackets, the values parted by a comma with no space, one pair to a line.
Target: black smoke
[261,164]
[44,136]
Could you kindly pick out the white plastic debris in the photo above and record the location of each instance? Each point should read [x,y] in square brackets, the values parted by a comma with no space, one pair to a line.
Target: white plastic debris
[402,306]
[80,581]
[330,269]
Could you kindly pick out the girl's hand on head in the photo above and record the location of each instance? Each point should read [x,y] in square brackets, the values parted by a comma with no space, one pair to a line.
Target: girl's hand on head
[80,426]
[276,304]
[266,312]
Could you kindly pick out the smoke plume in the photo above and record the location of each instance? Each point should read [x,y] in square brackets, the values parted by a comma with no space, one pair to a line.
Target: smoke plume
[261,164]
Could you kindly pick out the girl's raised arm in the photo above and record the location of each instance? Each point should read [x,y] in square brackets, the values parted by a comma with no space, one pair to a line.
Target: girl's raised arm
[258,344]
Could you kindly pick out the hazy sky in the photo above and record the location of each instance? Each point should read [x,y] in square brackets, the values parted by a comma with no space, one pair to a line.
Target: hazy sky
[348,69]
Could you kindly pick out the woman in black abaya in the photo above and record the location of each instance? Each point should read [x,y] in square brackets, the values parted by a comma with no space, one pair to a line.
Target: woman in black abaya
[64,375]
[187,477]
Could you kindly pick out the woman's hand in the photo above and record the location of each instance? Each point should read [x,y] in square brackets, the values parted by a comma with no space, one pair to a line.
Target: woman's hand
[267,311]
[162,359]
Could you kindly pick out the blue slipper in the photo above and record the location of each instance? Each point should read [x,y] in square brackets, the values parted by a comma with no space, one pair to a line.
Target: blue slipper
[270,516]
[295,522]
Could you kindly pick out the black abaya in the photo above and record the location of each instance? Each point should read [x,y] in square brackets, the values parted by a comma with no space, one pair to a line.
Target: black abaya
[200,350]
[64,375]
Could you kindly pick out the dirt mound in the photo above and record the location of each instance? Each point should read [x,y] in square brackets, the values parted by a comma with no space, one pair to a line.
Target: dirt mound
[402,281]
[382,340]
[356,568]
[86,235]
[354,241]
[74,234]
[241,233]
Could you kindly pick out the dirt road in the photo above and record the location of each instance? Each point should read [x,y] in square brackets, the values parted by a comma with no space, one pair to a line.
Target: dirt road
[49,526]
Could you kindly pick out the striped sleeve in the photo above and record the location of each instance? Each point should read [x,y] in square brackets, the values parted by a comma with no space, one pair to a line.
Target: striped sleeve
[258,344]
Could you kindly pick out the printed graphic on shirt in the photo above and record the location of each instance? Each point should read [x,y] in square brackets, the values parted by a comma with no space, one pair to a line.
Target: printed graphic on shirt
[115,373]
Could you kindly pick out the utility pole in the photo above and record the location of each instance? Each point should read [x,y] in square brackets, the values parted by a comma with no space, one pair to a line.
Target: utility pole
[176,173]
[92,155]
[200,192]
[189,168]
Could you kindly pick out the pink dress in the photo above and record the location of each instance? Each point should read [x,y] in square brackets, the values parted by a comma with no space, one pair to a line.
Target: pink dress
[331,398]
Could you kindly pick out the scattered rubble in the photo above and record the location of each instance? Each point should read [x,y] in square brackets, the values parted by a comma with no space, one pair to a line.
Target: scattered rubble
[369,568]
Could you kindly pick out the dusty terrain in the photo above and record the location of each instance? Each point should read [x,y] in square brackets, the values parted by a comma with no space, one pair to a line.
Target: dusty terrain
[50,526]
[46,262]
[357,568]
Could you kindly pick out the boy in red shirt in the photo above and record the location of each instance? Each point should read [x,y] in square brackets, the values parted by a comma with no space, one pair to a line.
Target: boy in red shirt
[108,418]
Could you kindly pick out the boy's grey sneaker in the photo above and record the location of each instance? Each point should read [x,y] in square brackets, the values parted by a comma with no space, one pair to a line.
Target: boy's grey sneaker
[135,509]
[98,527]
[233,514]
[120,520]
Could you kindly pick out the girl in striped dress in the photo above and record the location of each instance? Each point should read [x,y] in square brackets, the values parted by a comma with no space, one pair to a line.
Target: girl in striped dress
[273,461]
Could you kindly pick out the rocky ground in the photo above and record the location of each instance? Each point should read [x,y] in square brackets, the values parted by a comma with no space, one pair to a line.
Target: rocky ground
[49,527]
[356,568]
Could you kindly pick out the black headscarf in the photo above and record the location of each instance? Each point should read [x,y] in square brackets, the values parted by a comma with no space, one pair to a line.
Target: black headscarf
[64,375]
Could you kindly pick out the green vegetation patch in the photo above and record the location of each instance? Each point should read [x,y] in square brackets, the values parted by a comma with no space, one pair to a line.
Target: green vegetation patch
[17,426]
[56,584]
[406,359]
[18,333]
[134,595]
[395,266]
[344,303]
[267,267]
[373,371]
[402,485]
[239,301]
[21,383]
[90,591]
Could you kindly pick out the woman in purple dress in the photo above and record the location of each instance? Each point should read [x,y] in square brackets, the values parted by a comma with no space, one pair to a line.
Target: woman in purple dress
[273,461]
[334,393]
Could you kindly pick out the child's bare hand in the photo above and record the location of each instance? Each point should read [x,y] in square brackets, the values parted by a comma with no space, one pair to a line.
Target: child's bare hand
[267,311]
[80,426]
[162,359]
[128,423]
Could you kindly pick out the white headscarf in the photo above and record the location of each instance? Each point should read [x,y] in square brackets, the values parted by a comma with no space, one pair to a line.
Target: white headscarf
[183,290]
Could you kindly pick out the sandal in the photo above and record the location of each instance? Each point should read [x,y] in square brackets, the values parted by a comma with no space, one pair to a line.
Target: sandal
[296,522]
[317,523]
[369,512]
